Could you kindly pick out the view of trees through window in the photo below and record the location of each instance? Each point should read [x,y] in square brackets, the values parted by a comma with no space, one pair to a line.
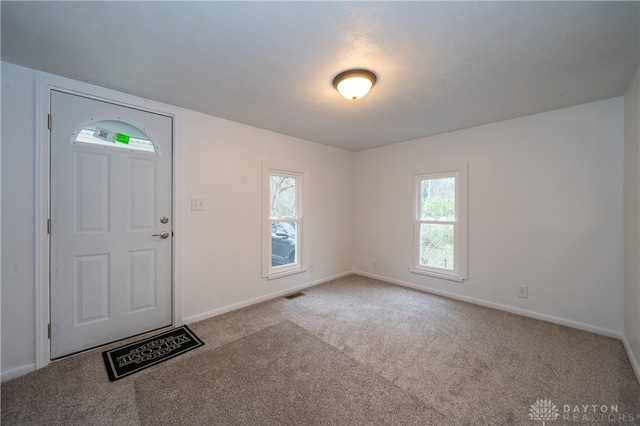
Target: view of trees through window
[283,197]
[437,222]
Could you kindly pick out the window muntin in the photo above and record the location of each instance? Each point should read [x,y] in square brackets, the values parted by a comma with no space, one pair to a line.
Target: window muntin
[114,134]
[283,223]
[440,224]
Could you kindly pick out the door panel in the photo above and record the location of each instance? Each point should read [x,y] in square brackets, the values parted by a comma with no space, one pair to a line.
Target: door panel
[110,185]
[143,215]
[91,288]
[142,280]
[91,182]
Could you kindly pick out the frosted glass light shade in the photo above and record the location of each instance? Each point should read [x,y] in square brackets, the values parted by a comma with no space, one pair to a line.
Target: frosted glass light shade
[354,84]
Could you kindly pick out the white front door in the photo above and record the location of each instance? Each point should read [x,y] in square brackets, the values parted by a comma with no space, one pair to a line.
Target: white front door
[111,224]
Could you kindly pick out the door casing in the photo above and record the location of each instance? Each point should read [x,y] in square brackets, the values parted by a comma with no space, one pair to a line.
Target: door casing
[44,84]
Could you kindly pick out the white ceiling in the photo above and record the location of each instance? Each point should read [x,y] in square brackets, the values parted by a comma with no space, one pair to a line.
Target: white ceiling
[441,66]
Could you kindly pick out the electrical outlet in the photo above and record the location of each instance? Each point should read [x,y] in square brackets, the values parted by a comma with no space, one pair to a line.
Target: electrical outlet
[310,268]
[197,204]
[523,291]
[375,265]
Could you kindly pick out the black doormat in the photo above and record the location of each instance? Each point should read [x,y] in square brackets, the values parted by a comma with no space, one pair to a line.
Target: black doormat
[131,358]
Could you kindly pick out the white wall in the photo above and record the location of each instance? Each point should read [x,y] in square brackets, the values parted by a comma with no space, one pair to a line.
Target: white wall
[220,248]
[632,222]
[18,218]
[544,211]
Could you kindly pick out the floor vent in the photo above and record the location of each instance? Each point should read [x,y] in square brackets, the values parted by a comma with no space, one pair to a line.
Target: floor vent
[294,295]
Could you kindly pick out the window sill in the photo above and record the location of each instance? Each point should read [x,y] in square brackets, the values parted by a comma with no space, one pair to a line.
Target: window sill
[455,278]
[285,273]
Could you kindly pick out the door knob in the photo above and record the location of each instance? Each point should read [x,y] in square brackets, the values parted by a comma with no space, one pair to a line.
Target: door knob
[163,235]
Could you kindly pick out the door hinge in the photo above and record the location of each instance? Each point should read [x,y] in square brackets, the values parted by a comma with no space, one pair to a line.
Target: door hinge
[49,121]
[49,330]
[49,226]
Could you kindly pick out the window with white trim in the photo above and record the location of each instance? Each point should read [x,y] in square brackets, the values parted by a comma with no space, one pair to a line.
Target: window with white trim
[282,210]
[440,236]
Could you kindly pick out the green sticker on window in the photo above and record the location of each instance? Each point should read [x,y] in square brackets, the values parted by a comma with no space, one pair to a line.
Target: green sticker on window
[122,138]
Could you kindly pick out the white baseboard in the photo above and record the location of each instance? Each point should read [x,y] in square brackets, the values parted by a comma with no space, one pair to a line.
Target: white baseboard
[499,306]
[236,306]
[17,372]
[632,358]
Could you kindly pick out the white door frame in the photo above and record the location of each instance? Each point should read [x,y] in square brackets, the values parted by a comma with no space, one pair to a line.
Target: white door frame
[44,84]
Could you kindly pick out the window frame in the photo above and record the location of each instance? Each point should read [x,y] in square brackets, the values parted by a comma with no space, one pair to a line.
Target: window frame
[268,270]
[459,272]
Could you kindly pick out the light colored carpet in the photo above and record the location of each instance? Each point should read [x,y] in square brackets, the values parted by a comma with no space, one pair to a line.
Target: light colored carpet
[280,375]
[416,357]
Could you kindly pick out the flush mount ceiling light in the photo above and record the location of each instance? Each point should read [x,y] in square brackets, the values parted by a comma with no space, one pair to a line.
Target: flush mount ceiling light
[354,84]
